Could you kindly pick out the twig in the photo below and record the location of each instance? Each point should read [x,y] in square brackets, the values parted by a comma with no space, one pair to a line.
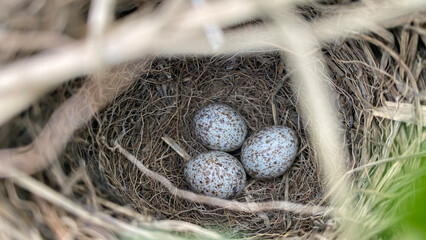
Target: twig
[124,210]
[177,148]
[168,225]
[24,81]
[226,204]
[403,112]
[100,16]
[54,197]
[275,114]
[174,225]
[214,34]
[386,160]
[10,230]
[364,17]
[12,41]
[397,58]
[99,218]
[312,85]
[70,116]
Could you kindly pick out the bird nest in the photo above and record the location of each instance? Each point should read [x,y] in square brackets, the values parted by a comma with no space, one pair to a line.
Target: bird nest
[163,103]
[110,173]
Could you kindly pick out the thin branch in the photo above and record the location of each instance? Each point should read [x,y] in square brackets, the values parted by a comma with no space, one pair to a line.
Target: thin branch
[403,112]
[365,17]
[386,160]
[100,16]
[167,225]
[12,41]
[24,81]
[97,218]
[177,148]
[131,39]
[312,86]
[70,116]
[397,58]
[251,207]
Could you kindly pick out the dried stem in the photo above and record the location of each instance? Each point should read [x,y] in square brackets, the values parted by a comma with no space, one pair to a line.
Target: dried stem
[102,219]
[25,81]
[173,144]
[312,85]
[221,203]
[75,112]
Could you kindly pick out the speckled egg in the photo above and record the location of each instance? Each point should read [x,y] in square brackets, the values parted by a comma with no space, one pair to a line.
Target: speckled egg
[220,127]
[216,174]
[270,152]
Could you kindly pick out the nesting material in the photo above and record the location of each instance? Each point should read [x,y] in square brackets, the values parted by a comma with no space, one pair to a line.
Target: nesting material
[164,103]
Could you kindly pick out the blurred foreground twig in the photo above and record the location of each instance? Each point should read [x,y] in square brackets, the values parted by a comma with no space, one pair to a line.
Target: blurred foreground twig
[75,112]
[182,33]
[106,221]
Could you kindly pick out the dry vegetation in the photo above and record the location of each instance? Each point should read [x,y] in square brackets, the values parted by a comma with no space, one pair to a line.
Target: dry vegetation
[101,82]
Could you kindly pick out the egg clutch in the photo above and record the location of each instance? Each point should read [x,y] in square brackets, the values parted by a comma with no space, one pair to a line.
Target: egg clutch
[266,154]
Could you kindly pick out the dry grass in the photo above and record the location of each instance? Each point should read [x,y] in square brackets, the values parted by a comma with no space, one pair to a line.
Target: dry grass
[164,105]
[312,78]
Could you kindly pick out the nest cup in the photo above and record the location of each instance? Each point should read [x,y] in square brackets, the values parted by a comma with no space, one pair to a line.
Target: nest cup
[164,103]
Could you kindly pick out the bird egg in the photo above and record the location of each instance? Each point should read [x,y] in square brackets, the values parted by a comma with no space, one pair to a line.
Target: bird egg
[269,152]
[220,127]
[215,174]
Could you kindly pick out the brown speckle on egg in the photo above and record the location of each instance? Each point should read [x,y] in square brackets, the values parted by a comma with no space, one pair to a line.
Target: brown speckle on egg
[220,127]
[269,152]
[216,174]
